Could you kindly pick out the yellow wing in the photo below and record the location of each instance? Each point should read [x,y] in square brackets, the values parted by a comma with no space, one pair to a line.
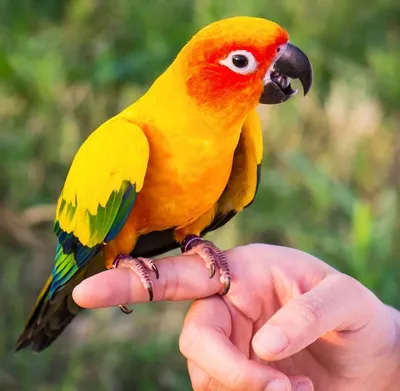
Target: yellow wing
[113,159]
[100,190]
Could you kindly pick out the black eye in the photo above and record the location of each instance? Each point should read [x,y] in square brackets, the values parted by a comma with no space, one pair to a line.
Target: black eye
[278,49]
[240,61]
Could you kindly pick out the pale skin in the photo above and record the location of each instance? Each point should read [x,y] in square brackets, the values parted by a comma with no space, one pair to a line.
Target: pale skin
[289,321]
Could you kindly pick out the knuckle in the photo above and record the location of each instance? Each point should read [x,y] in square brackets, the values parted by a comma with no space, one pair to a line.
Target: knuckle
[171,283]
[357,315]
[355,286]
[241,381]
[357,290]
[202,382]
[351,286]
[311,309]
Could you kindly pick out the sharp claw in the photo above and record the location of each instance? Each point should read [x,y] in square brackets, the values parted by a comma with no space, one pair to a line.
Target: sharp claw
[125,309]
[212,270]
[227,285]
[140,267]
[212,256]
[155,269]
[150,290]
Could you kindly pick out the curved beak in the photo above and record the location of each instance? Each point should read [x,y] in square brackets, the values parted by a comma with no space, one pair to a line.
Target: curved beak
[292,64]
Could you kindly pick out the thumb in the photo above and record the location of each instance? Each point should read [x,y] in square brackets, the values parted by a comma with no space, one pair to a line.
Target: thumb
[334,304]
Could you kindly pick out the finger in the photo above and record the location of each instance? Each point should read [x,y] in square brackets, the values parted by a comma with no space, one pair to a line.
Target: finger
[334,304]
[201,381]
[181,278]
[205,341]
[301,383]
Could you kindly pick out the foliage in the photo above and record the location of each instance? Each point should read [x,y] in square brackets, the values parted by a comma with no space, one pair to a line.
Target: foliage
[330,178]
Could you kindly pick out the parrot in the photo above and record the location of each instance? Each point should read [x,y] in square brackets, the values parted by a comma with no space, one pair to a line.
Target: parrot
[178,163]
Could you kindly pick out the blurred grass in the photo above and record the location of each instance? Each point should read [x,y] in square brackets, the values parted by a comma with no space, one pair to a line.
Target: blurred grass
[330,182]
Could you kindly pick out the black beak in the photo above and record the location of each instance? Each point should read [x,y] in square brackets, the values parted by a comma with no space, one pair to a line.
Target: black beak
[293,64]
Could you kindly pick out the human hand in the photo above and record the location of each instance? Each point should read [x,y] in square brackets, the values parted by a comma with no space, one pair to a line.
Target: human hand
[287,317]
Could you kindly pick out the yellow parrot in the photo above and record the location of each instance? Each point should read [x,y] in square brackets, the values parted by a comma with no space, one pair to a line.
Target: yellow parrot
[176,164]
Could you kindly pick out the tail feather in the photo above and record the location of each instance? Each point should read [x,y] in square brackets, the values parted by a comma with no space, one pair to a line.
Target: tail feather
[48,317]
[53,311]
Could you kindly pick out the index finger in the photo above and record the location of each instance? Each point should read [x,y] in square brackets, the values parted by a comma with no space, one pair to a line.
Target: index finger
[181,278]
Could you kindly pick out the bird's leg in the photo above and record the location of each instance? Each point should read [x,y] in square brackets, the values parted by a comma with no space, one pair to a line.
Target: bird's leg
[141,267]
[212,256]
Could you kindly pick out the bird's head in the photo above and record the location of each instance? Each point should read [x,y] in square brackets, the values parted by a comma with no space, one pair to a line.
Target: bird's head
[242,61]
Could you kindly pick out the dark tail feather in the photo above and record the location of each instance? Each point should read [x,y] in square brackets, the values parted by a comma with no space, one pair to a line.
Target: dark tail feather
[48,318]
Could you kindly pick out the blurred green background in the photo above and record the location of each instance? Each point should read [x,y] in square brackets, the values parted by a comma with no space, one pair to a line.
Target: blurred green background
[330,179]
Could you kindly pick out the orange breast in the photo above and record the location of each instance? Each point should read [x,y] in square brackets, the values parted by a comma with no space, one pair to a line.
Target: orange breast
[180,186]
[183,181]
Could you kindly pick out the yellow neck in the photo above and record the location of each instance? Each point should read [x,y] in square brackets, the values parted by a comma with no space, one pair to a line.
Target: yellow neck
[170,92]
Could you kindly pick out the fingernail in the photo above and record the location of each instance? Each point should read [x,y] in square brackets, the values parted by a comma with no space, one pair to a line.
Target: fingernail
[278,385]
[304,386]
[271,340]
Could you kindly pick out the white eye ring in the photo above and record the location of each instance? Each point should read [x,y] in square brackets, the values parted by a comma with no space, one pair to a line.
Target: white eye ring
[247,60]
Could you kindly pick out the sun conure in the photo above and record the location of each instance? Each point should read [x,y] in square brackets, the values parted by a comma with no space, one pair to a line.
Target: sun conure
[176,164]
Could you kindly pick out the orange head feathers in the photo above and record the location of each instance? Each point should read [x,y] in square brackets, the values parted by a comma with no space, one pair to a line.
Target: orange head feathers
[231,63]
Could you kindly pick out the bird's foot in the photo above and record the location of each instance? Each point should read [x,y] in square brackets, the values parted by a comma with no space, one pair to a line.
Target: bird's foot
[141,267]
[212,256]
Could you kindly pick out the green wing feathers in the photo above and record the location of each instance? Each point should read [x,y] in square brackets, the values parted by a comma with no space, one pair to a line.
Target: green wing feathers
[98,196]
